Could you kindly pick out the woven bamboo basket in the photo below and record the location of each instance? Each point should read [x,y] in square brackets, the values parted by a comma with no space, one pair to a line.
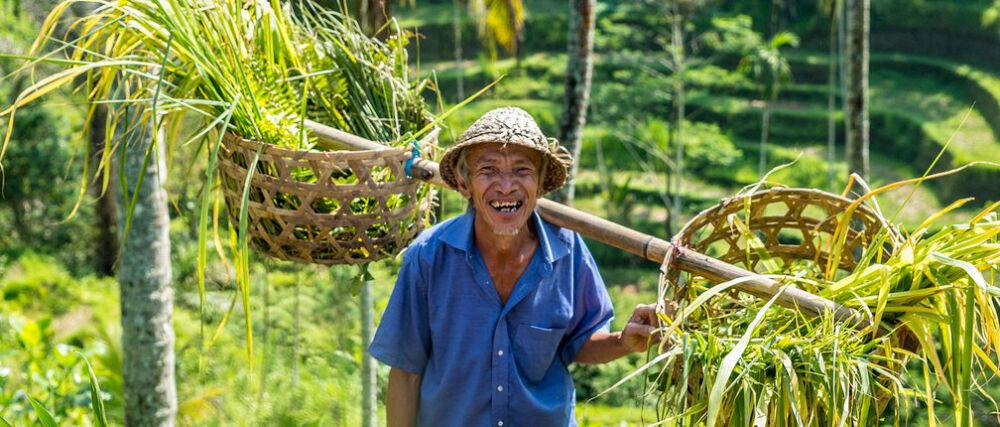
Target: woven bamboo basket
[792,223]
[796,225]
[336,207]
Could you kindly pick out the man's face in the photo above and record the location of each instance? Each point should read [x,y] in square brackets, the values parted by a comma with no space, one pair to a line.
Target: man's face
[503,185]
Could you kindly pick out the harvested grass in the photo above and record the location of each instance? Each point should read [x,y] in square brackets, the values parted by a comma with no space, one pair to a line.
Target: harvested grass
[737,360]
[255,68]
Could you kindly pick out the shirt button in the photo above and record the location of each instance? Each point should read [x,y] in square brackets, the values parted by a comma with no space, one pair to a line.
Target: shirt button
[500,353]
[500,388]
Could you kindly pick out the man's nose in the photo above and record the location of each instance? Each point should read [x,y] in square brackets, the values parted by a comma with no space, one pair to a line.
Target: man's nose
[508,183]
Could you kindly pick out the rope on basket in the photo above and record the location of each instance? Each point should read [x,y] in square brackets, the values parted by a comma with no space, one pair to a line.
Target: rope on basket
[413,157]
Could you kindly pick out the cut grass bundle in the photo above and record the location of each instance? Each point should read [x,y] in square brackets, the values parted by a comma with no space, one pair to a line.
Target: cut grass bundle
[932,298]
[253,70]
[258,69]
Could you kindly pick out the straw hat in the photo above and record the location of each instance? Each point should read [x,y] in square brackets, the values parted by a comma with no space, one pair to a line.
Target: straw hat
[510,125]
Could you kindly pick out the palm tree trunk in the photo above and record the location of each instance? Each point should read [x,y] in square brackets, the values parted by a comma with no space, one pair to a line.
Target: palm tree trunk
[765,126]
[677,42]
[457,27]
[369,389]
[856,115]
[517,34]
[295,336]
[144,276]
[374,15]
[105,211]
[831,127]
[579,70]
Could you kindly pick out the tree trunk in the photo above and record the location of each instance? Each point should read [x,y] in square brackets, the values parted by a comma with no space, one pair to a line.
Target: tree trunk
[677,41]
[374,15]
[105,210]
[144,276]
[295,336]
[579,69]
[457,28]
[517,36]
[369,398]
[765,125]
[856,115]
[266,338]
[831,127]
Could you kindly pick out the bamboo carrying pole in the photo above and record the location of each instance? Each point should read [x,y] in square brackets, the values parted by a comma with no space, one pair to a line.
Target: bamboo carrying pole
[632,241]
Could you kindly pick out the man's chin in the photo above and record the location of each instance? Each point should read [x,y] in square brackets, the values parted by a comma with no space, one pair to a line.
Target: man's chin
[506,231]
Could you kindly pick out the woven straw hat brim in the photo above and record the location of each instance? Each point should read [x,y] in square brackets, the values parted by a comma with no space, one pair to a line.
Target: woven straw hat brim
[510,125]
[555,171]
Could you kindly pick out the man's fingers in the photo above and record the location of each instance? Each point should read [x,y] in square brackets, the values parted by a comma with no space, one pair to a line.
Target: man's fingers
[644,331]
[646,314]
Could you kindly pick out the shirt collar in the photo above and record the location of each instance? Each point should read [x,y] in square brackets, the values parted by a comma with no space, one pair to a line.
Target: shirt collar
[550,240]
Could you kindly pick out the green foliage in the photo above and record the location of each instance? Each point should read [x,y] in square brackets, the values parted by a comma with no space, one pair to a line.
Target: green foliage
[44,371]
[767,64]
[35,279]
[748,360]
[626,147]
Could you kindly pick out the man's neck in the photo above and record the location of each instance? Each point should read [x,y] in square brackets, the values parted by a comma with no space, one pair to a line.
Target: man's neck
[504,247]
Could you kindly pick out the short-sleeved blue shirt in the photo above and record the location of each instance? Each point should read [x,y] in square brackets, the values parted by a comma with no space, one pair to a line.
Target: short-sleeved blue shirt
[485,363]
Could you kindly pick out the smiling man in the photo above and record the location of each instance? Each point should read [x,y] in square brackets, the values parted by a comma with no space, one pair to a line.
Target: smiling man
[491,307]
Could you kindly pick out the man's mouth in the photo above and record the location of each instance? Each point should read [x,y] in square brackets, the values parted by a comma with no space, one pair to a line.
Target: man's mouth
[506,206]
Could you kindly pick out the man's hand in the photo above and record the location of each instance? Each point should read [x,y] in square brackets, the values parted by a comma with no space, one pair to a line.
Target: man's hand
[642,328]
[638,334]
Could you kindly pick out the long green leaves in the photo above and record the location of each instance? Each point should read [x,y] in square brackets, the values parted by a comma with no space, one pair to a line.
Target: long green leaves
[44,417]
[96,402]
[934,300]
[258,69]
[729,362]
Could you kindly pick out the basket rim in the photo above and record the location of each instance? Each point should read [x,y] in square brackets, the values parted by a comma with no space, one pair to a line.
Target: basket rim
[686,230]
[312,154]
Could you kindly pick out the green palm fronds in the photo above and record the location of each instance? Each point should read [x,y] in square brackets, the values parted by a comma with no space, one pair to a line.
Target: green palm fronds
[258,68]
[934,303]
[273,63]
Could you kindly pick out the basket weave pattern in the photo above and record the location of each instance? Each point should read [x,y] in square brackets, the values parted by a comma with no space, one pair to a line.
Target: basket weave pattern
[341,207]
[792,223]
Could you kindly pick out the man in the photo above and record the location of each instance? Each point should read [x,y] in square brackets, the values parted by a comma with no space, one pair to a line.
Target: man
[491,307]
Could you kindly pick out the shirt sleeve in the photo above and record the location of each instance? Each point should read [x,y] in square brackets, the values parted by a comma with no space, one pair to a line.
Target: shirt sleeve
[592,308]
[402,340]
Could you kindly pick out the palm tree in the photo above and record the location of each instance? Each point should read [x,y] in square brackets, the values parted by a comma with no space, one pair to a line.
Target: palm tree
[144,275]
[856,113]
[579,69]
[767,64]
[500,23]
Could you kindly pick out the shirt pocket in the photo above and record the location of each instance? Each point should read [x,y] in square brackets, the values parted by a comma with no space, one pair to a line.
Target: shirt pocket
[536,348]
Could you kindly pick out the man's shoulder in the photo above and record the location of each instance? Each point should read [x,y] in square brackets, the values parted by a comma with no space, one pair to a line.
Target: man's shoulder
[432,238]
[565,236]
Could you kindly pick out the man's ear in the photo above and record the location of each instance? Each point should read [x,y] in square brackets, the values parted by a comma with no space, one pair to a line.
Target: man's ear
[462,188]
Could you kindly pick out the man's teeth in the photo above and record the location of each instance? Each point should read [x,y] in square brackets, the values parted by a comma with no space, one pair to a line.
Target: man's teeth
[506,207]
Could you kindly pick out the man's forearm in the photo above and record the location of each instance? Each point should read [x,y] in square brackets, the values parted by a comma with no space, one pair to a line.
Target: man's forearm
[402,398]
[602,347]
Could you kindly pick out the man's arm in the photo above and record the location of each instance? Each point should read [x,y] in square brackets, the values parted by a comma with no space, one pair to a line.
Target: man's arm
[402,398]
[641,330]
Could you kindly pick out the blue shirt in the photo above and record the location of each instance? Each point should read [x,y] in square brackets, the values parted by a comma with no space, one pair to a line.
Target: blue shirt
[485,363]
